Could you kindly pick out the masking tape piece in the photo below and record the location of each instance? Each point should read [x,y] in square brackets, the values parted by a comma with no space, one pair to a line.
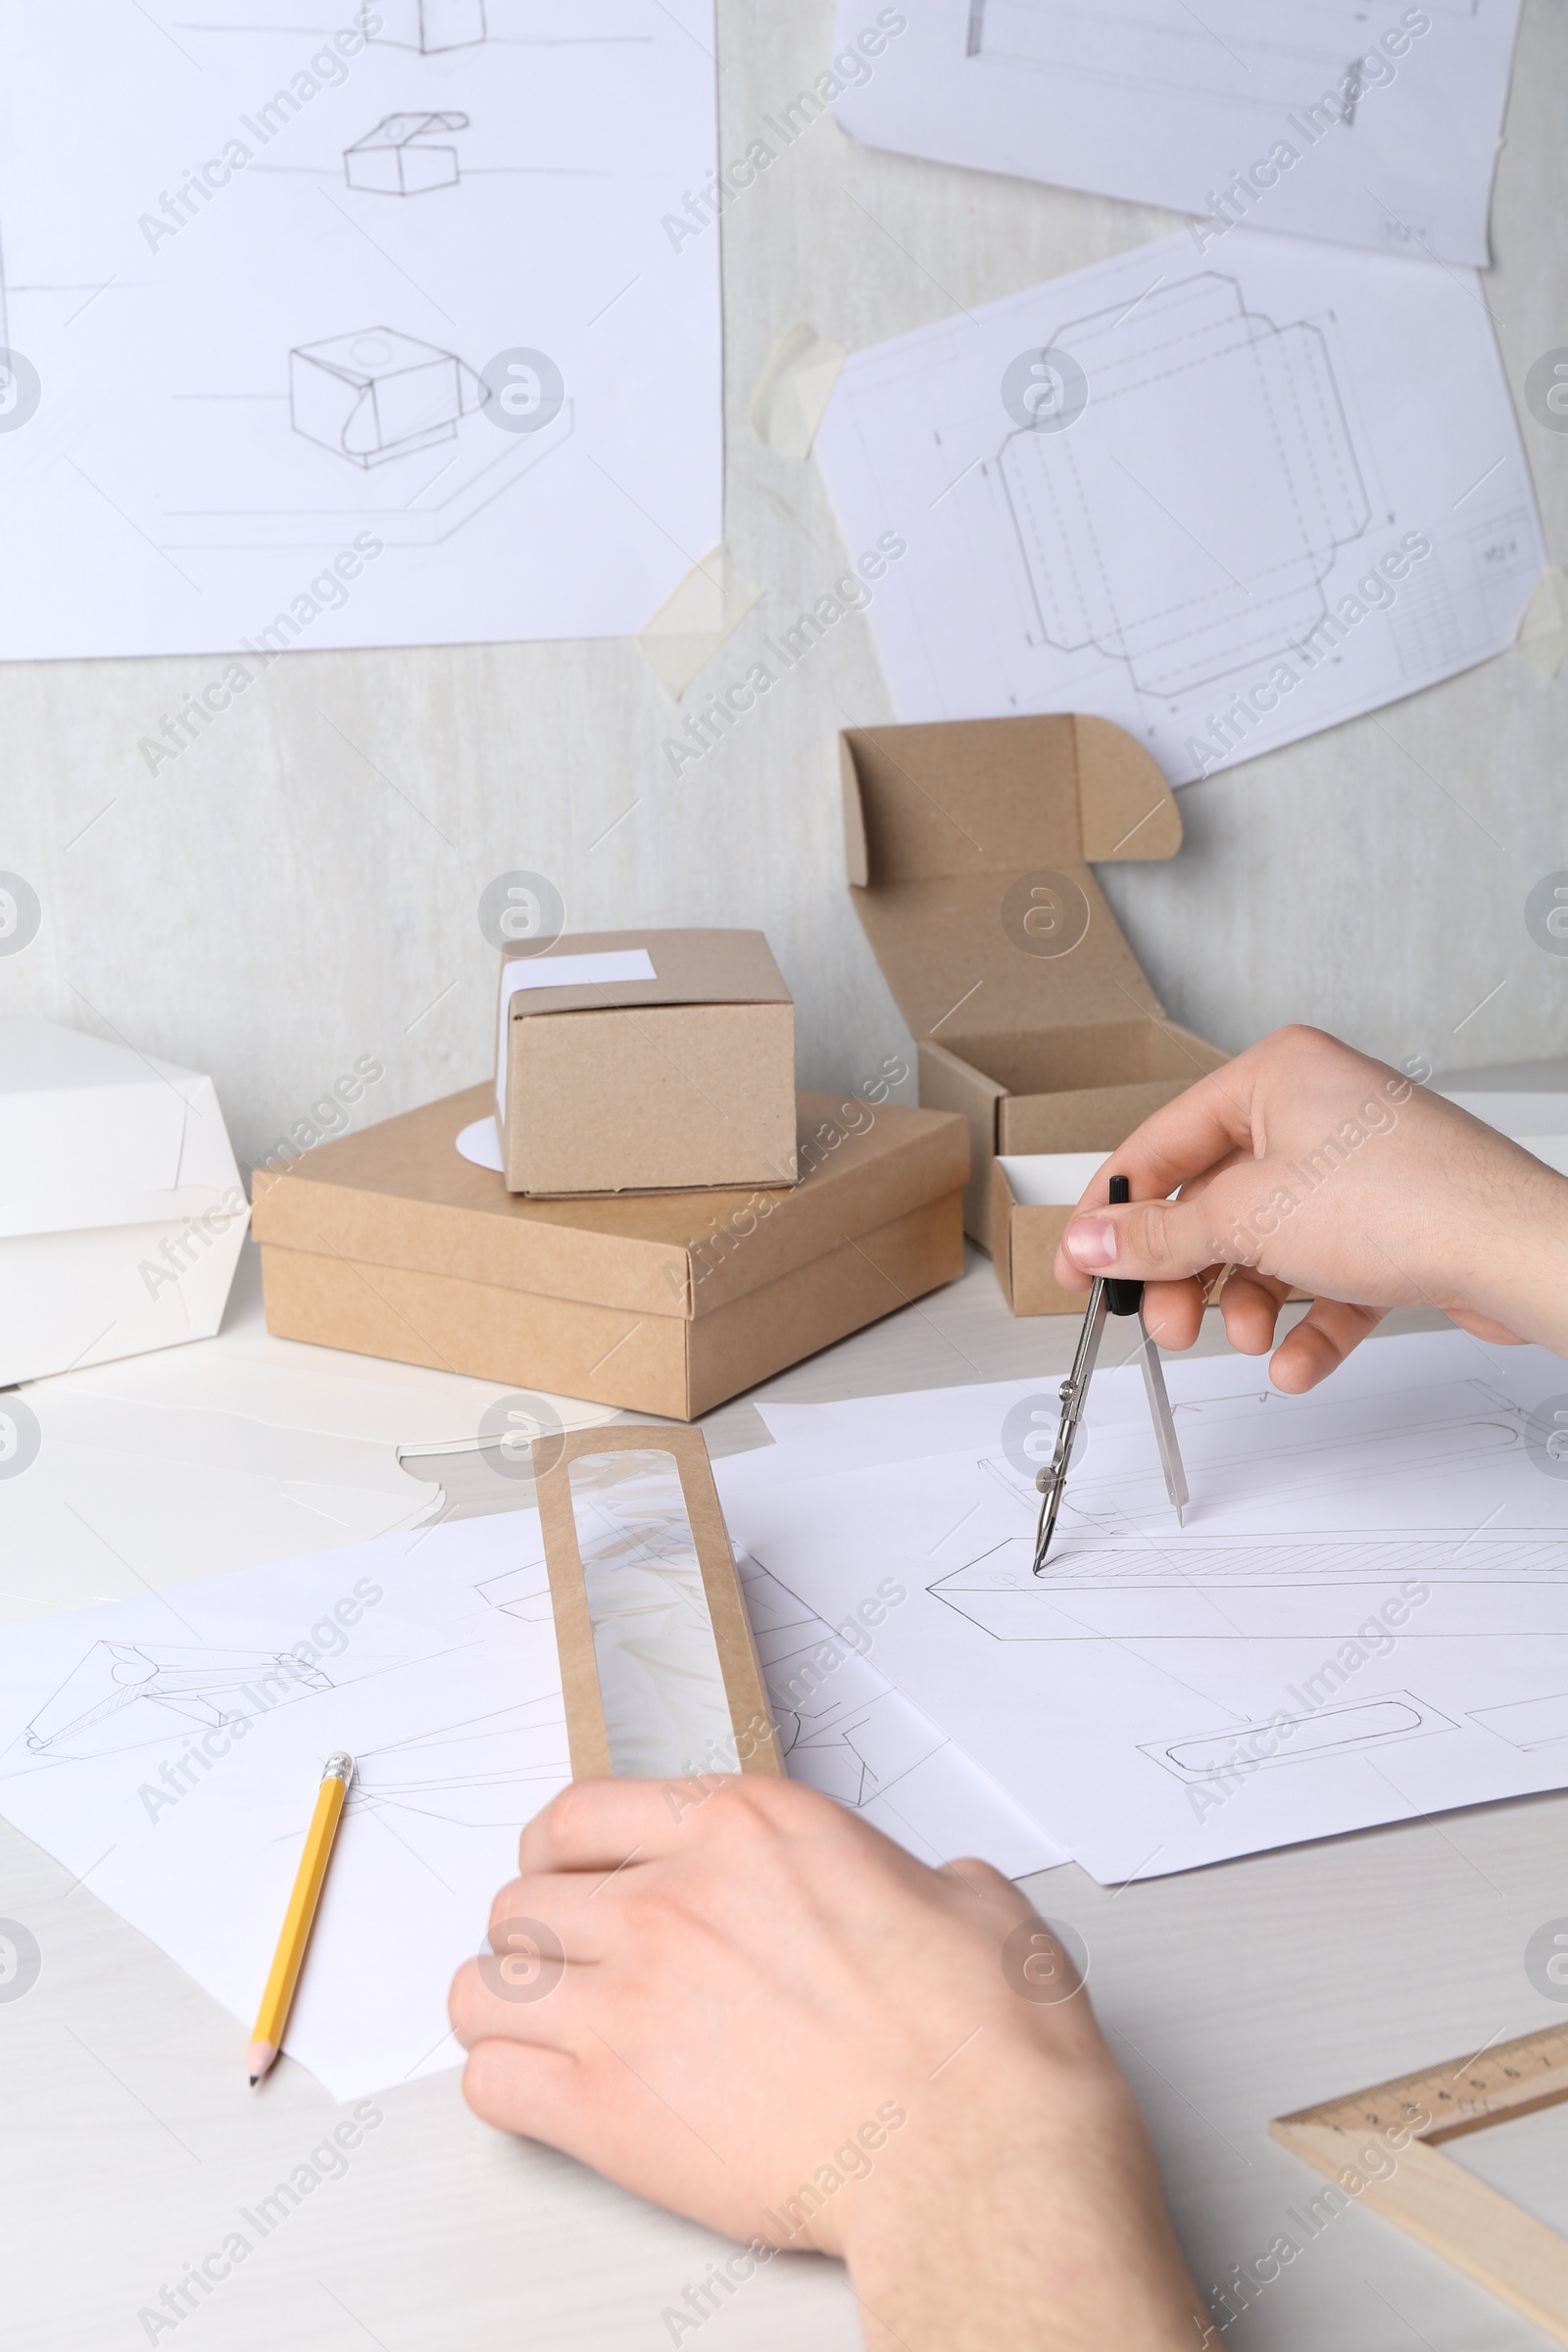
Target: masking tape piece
[694,620]
[1542,637]
[797,385]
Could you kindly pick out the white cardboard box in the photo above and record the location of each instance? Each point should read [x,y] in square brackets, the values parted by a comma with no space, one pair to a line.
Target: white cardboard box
[1525,1100]
[122,1212]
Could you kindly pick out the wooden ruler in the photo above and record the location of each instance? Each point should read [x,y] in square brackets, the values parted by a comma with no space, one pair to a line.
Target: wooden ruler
[1379,2146]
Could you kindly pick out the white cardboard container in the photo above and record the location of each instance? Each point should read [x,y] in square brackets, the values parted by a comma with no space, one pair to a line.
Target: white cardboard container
[1527,1101]
[122,1212]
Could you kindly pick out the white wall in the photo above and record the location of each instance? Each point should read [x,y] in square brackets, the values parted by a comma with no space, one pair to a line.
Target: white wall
[277,905]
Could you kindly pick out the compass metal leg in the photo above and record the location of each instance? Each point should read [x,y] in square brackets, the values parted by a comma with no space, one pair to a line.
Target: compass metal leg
[1170,1454]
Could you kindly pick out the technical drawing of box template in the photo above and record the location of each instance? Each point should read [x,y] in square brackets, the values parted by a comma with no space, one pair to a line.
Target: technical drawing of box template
[1223,1756]
[1384,121]
[1235,1590]
[1156,379]
[1183,545]
[1179,63]
[1273,1583]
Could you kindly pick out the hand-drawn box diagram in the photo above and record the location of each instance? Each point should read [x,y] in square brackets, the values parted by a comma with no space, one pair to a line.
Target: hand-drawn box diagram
[124,1693]
[1189,388]
[1107,1582]
[366,398]
[842,1728]
[1327,1731]
[1527,1723]
[405,156]
[493,1773]
[431,25]
[1273,55]
[377,394]
[1237,1590]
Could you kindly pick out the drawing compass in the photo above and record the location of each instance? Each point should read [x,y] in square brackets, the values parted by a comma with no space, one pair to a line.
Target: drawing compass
[1107,1299]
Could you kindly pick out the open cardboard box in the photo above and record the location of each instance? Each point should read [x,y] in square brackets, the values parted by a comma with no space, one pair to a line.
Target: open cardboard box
[971,847]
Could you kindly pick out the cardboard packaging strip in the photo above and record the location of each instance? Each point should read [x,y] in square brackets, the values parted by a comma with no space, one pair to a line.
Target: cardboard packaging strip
[969,847]
[644,1062]
[694,1701]
[388,1242]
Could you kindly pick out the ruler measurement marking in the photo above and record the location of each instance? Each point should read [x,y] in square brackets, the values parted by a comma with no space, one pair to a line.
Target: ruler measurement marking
[1451,2212]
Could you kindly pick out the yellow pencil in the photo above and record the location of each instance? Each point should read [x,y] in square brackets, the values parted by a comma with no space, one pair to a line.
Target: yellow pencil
[289,1958]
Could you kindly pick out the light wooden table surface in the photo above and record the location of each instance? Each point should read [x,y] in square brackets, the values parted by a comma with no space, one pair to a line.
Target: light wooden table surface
[130,2142]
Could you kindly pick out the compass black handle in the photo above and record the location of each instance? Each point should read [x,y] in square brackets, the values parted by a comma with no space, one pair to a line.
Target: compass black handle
[1122,1297]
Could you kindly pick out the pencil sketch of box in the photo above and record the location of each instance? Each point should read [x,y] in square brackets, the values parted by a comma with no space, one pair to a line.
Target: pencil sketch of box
[102,1705]
[402,157]
[431,24]
[377,394]
[1187,520]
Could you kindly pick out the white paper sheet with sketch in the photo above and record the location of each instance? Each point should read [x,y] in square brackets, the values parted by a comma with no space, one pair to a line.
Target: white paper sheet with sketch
[418,311]
[168,1747]
[1360,120]
[1211,500]
[845,1730]
[1133,1698]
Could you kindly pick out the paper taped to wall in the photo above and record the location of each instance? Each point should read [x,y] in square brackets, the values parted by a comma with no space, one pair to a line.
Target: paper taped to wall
[1359,121]
[1211,500]
[355,333]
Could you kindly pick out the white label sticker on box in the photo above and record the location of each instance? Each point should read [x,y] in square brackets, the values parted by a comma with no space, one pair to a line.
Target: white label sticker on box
[563,971]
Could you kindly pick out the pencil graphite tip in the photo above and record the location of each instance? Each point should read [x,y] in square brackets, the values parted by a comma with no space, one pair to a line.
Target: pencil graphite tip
[258,2058]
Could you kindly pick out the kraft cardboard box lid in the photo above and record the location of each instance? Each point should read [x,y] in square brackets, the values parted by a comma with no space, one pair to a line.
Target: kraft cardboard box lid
[969,845]
[690,967]
[642,967]
[400,1193]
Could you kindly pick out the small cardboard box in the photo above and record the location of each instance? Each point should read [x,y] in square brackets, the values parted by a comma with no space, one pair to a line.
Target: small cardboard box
[644,1062]
[1031,1200]
[659,1669]
[389,1243]
[969,847]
